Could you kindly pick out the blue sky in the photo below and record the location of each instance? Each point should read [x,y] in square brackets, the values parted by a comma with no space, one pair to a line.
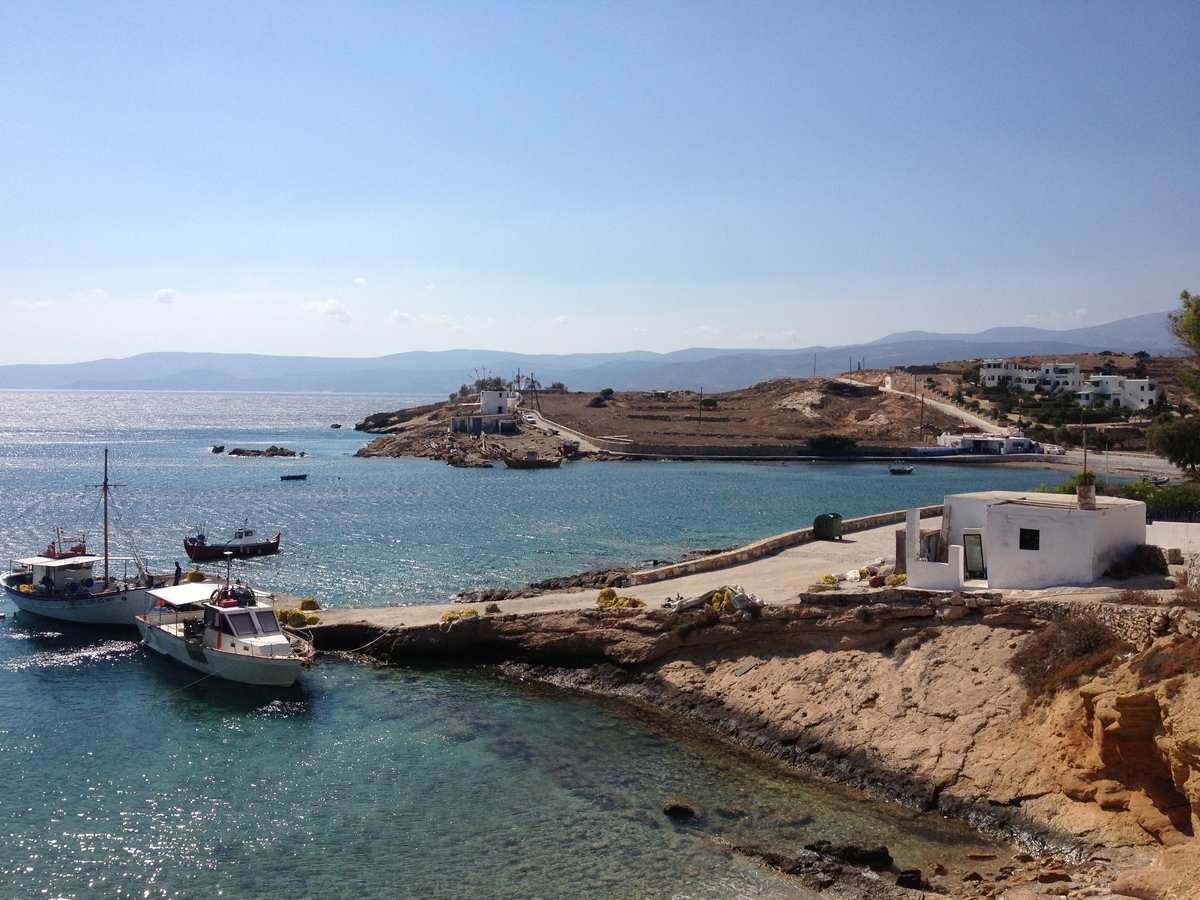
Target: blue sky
[357,179]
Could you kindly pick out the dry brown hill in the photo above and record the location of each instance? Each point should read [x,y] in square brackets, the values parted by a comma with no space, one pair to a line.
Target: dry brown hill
[785,411]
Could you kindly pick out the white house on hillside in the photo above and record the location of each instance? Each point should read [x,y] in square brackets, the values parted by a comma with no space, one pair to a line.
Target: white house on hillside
[1050,378]
[1116,390]
[1026,541]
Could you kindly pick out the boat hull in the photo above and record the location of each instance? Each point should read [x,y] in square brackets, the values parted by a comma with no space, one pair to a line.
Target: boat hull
[258,670]
[108,608]
[206,552]
[532,463]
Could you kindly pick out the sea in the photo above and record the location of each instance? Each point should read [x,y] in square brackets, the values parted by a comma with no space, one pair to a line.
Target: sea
[124,774]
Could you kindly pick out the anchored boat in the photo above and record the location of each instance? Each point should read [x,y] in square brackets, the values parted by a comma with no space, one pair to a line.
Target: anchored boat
[243,543]
[65,584]
[230,631]
[531,460]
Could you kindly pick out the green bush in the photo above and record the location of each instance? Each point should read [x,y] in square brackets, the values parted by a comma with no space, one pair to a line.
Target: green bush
[1175,498]
[823,443]
[1069,486]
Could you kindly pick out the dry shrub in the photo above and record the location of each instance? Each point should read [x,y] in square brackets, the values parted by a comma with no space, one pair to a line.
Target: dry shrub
[1136,598]
[1187,596]
[1175,657]
[1063,653]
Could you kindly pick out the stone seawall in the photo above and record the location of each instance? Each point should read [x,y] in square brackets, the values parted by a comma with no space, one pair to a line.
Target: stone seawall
[768,547]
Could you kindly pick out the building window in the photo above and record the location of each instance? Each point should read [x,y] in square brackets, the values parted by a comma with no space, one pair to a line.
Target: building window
[1029,539]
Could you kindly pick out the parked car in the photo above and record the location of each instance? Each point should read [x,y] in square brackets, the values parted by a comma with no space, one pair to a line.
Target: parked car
[529,419]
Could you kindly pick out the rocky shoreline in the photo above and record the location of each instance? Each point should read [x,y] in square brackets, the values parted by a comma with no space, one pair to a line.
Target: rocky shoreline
[910,695]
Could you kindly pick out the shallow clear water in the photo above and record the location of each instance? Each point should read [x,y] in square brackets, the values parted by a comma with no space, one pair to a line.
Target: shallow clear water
[125,776]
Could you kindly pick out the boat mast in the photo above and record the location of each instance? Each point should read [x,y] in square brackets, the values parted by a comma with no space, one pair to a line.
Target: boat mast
[104,489]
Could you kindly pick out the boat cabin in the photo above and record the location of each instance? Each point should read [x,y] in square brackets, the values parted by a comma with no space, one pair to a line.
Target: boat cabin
[60,577]
[227,618]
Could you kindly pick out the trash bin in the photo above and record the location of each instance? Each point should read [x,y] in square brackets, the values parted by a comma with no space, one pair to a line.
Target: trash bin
[827,527]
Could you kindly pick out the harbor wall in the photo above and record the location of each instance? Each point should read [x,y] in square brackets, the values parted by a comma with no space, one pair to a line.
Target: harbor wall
[769,547]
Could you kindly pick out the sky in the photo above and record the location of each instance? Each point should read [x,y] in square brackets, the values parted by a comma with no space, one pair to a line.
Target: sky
[356,179]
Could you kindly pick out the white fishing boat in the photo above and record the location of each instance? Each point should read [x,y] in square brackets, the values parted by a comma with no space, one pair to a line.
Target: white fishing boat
[228,631]
[65,583]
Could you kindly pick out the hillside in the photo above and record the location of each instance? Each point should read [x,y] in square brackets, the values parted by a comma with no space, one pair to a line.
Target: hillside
[782,414]
[778,417]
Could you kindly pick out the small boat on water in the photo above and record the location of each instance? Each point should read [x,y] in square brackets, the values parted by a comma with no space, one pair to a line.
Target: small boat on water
[243,543]
[900,469]
[230,631]
[531,460]
[303,477]
[64,583]
[1158,480]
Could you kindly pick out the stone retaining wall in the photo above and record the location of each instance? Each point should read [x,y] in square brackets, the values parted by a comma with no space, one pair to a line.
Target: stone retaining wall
[768,547]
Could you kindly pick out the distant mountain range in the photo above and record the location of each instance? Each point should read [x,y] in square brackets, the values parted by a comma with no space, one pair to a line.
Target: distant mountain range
[438,373]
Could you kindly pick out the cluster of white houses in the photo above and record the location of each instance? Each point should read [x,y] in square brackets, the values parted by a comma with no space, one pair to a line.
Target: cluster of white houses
[1055,377]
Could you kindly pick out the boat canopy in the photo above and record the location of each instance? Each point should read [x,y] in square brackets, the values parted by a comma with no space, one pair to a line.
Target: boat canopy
[63,562]
[189,593]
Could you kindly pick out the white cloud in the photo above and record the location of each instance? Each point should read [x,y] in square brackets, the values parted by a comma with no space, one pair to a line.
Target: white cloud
[93,294]
[330,309]
[398,317]
[32,304]
[429,287]
[360,280]
[559,321]
[166,295]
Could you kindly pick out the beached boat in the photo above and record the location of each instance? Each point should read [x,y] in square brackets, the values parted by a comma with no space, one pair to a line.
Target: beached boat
[531,460]
[303,477]
[230,631]
[243,543]
[63,583]
[900,469]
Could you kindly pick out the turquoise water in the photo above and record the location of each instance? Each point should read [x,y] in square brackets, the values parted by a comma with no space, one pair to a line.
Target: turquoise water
[125,777]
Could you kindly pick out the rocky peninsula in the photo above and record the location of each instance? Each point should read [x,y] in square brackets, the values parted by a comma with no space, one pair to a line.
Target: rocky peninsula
[1069,719]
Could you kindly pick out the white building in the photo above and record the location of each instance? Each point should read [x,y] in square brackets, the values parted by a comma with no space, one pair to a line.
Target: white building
[998,372]
[1050,378]
[494,403]
[978,442]
[1118,391]
[1026,541]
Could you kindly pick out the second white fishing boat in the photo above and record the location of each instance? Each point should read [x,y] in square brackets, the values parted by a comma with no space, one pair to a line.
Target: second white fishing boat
[229,631]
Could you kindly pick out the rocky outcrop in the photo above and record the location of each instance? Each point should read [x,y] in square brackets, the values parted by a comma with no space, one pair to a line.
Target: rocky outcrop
[270,451]
[903,692]
[384,422]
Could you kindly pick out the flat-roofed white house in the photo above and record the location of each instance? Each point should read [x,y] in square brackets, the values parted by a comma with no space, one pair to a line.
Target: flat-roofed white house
[1026,541]
[978,442]
[497,414]
[1116,390]
[1050,378]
